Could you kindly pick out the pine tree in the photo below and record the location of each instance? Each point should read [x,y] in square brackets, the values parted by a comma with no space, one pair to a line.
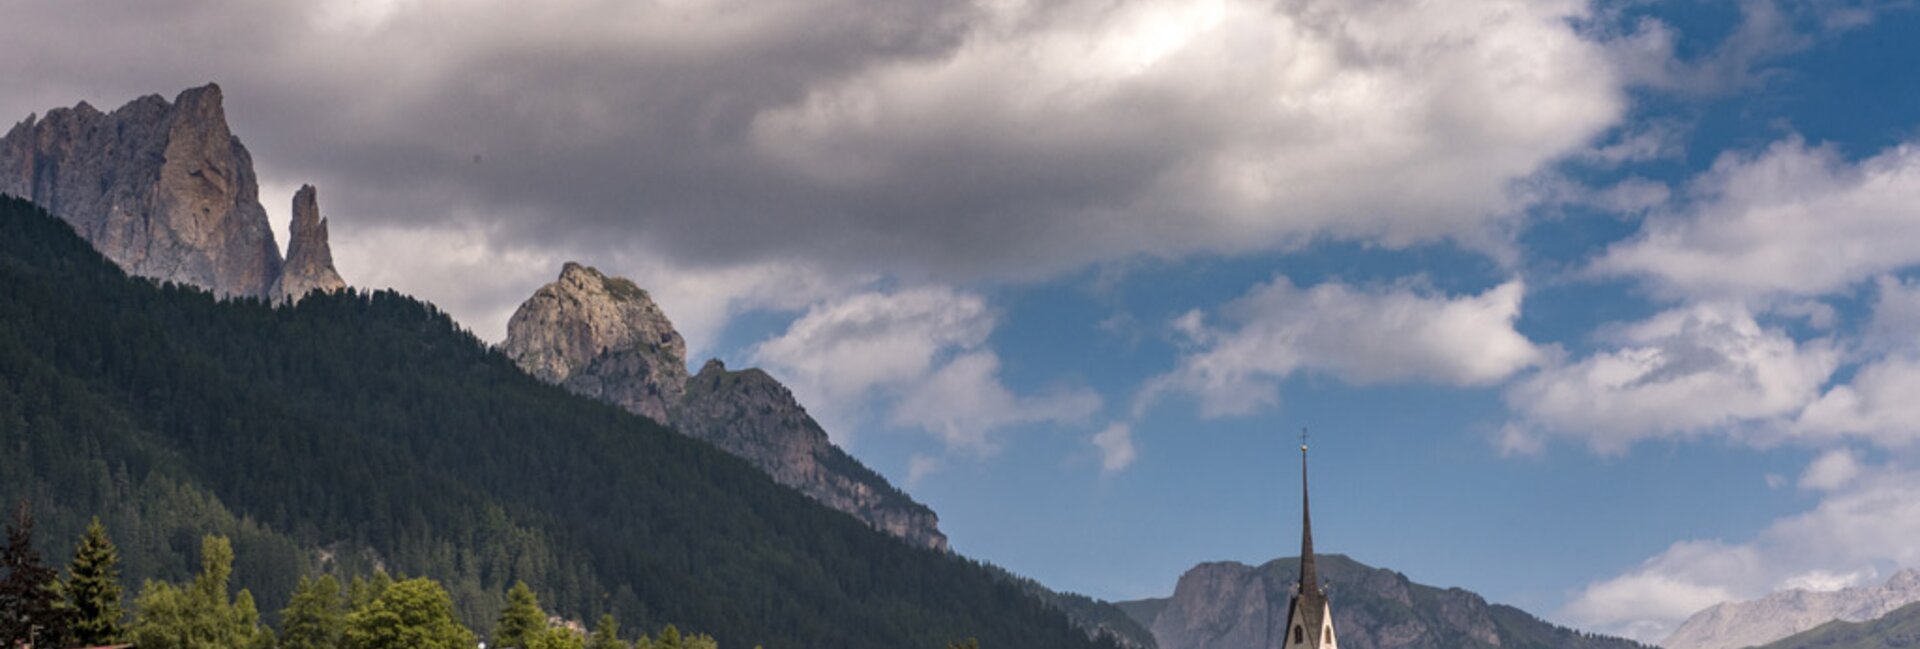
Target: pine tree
[93,589]
[522,624]
[316,616]
[606,634]
[411,614]
[198,615]
[30,605]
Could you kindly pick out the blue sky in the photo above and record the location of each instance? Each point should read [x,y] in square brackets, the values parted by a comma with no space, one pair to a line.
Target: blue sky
[1603,309]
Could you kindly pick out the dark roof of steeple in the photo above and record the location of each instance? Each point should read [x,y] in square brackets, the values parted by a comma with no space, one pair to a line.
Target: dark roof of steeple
[1308,599]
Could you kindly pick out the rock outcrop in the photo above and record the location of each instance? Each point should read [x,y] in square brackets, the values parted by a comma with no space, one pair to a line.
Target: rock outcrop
[1745,624]
[749,414]
[603,337]
[1230,605]
[309,264]
[163,189]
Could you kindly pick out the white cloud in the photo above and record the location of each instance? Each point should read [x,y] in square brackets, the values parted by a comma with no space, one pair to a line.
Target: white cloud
[1360,335]
[963,401]
[1792,220]
[1116,447]
[1860,527]
[1707,368]
[1832,470]
[1878,405]
[917,355]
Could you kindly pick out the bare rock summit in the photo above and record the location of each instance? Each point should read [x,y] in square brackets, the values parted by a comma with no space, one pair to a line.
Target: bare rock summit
[603,337]
[1733,625]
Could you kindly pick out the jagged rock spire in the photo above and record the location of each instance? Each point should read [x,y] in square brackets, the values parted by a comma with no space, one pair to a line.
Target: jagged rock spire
[309,265]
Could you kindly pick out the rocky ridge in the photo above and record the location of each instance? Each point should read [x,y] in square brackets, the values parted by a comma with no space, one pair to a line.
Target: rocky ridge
[604,337]
[1733,625]
[1228,605]
[165,190]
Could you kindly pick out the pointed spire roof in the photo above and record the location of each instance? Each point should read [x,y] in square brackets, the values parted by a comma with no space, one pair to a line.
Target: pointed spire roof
[1309,576]
[1309,610]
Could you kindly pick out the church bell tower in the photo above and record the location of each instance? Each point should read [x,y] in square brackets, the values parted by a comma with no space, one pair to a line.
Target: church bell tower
[1309,618]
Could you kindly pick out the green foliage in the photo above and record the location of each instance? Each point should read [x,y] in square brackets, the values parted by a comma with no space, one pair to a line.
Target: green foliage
[969,643]
[372,427]
[93,589]
[315,618]
[522,624]
[411,614]
[30,602]
[670,638]
[606,634]
[199,615]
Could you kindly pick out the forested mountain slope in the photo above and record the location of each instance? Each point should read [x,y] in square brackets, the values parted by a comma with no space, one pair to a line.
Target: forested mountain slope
[368,428]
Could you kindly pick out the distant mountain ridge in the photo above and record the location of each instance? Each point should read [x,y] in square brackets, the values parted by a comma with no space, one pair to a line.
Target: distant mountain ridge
[166,191]
[1898,629]
[1230,605]
[604,337]
[1733,625]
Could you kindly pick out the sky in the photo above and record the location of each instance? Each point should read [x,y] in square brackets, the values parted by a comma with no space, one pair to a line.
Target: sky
[1603,309]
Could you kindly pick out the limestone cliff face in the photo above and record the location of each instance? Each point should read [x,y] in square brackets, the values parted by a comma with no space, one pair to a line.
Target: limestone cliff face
[163,189]
[309,264]
[166,191]
[1236,606]
[604,337]
[749,414]
[1745,624]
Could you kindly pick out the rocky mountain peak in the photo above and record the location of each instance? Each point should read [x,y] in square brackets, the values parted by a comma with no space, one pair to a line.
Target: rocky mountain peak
[309,264]
[603,337]
[163,189]
[1732,625]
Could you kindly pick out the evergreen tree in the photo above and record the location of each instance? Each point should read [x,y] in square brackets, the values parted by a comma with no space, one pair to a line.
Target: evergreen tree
[969,643]
[199,615]
[30,604]
[522,624]
[410,614]
[670,638]
[316,616]
[561,638]
[606,634]
[93,589]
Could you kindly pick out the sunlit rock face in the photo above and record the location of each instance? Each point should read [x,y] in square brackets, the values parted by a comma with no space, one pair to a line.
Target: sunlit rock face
[604,337]
[163,189]
[1733,625]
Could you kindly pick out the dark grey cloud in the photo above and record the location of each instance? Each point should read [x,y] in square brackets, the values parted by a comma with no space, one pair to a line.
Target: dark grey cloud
[942,141]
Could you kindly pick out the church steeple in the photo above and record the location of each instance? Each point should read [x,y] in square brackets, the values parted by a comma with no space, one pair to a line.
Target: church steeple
[1309,577]
[1310,618]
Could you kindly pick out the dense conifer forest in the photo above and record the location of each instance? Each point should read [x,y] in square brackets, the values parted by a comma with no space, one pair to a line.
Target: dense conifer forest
[359,432]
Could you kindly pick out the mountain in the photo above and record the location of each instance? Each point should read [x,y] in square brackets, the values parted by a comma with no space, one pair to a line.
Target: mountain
[166,191]
[1898,629]
[359,429]
[1231,605]
[1734,625]
[603,337]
